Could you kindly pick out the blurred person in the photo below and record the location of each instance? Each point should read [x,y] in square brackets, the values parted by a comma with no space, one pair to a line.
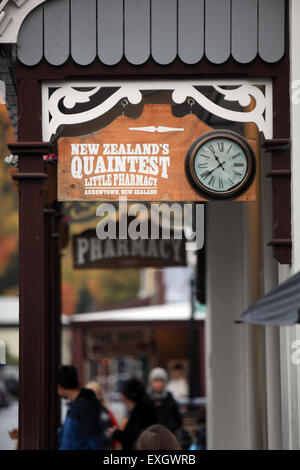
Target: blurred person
[157,437]
[81,429]
[14,435]
[178,384]
[106,416]
[167,410]
[141,414]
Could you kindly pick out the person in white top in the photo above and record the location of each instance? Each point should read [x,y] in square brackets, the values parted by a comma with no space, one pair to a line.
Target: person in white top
[178,384]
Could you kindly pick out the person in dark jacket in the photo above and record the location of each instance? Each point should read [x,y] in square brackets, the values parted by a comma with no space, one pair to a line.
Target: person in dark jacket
[167,410]
[107,418]
[81,429]
[141,414]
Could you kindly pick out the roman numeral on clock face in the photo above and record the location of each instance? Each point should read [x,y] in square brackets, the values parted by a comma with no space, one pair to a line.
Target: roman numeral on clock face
[202,165]
[238,164]
[221,186]
[237,173]
[212,181]
[205,175]
[235,156]
[221,146]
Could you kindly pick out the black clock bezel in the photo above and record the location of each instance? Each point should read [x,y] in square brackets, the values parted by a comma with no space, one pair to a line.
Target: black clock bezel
[240,187]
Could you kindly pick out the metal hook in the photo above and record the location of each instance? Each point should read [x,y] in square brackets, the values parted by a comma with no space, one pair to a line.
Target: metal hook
[124,103]
[191,103]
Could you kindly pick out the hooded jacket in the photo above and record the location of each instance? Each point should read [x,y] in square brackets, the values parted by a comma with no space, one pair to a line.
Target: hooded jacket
[167,410]
[81,429]
[158,373]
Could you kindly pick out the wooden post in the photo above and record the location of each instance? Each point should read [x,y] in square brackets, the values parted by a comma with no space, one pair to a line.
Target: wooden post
[56,326]
[281,171]
[49,310]
[39,280]
[34,334]
[52,316]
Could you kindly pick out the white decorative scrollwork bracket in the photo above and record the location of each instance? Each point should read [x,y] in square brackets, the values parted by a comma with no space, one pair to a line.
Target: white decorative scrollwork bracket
[254,96]
[12,15]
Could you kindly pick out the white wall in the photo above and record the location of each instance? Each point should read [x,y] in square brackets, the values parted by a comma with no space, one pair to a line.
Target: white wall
[295,126]
[243,363]
[233,350]
[272,347]
[290,373]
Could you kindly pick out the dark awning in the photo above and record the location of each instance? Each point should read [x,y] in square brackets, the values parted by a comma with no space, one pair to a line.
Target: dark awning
[280,307]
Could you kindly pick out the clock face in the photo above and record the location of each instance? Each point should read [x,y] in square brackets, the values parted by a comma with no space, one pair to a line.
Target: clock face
[220,164]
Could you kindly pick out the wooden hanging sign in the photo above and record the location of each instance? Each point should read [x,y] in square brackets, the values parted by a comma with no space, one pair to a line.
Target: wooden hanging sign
[89,252]
[142,159]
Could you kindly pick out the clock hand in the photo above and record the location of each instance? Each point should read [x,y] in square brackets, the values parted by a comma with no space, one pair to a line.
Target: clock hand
[220,164]
[211,171]
[214,154]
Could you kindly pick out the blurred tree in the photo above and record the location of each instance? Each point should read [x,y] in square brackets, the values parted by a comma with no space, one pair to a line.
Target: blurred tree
[68,298]
[119,285]
[8,213]
[9,279]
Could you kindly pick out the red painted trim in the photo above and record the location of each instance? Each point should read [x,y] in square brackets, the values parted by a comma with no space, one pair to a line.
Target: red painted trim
[78,352]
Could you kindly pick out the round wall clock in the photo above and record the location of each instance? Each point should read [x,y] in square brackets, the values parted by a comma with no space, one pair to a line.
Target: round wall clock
[220,164]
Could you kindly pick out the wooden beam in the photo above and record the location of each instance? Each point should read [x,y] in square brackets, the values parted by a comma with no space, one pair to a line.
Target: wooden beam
[33,399]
